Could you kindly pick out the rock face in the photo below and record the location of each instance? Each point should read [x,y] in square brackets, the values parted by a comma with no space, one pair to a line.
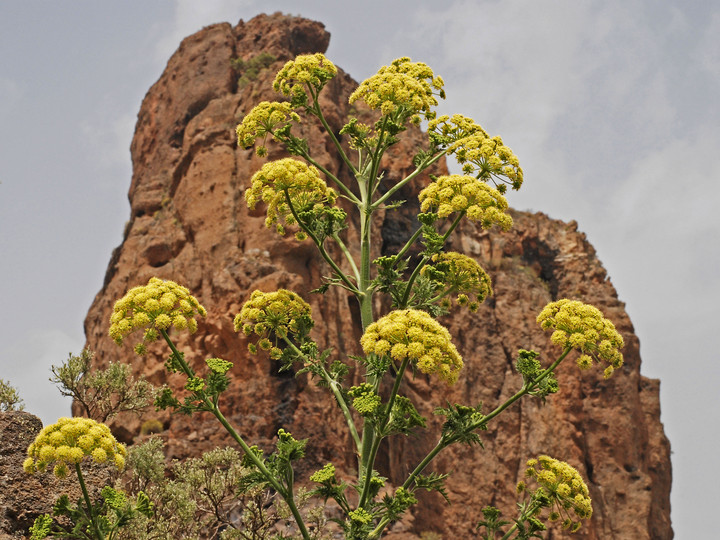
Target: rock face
[189,223]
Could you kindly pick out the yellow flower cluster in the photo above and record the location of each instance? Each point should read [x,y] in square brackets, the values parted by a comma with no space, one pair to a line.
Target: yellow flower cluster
[156,306]
[68,441]
[456,193]
[404,88]
[300,181]
[307,70]
[263,120]
[565,488]
[464,276]
[455,128]
[282,313]
[479,154]
[414,334]
[583,327]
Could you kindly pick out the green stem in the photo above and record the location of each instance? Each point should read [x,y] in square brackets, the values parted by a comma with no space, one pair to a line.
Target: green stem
[346,191]
[534,507]
[425,259]
[379,529]
[424,165]
[86,496]
[178,356]
[348,256]
[369,461]
[525,389]
[317,111]
[320,247]
[442,443]
[447,441]
[332,383]
[345,410]
[408,244]
[446,292]
[406,485]
[366,308]
[375,162]
[366,315]
[287,495]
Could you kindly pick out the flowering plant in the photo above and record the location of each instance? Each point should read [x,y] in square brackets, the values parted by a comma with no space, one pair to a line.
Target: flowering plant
[296,195]
[67,443]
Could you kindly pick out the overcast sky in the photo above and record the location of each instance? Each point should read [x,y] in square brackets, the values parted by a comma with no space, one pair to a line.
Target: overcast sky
[613,108]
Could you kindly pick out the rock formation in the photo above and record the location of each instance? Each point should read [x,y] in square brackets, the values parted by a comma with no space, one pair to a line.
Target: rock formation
[189,223]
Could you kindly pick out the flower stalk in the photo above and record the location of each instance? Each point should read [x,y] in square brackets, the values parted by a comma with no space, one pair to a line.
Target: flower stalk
[296,197]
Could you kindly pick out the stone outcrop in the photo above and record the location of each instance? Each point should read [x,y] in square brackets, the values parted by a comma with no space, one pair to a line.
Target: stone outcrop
[189,223]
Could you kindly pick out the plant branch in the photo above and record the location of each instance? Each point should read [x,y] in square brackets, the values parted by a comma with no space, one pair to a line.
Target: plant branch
[528,512]
[336,392]
[408,244]
[349,194]
[321,248]
[86,496]
[420,168]
[528,387]
[287,495]
[446,441]
[348,256]
[369,460]
[425,259]
[317,111]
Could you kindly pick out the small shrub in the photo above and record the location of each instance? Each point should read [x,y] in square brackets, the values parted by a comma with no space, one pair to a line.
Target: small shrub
[102,393]
[250,69]
[10,400]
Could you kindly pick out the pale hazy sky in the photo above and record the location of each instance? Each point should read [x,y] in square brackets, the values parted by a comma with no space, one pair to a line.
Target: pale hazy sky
[613,108]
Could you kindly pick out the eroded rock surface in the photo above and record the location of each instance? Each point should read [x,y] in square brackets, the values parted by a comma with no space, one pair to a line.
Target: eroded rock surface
[189,223]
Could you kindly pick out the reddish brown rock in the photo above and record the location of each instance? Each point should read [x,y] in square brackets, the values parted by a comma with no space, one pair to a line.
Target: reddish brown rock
[189,223]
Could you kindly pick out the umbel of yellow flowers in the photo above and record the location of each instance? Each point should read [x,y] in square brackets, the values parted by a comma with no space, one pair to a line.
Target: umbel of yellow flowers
[464,276]
[414,334]
[403,88]
[583,327]
[69,441]
[278,314]
[285,179]
[565,488]
[456,193]
[156,306]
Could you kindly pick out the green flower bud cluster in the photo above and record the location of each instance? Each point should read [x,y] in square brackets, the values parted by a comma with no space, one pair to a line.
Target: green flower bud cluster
[281,313]
[583,327]
[263,120]
[456,193]
[361,135]
[462,275]
[306,71]
[479,154]
[69,441]
[365,399]
[563,486]
[156,306]
[360,516]
[403,89]
[414,334]
[278,181]
[326,474]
